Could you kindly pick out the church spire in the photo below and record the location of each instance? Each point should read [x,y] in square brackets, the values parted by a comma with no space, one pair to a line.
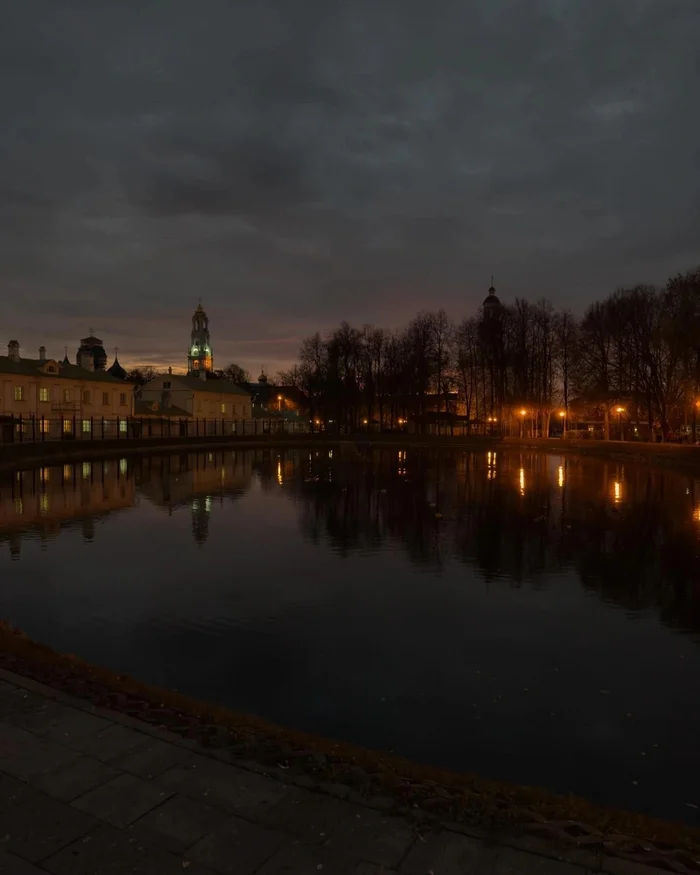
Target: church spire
[200,356]
[492,304]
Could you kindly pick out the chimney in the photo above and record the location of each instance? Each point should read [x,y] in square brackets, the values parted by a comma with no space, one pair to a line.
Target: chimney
[87,360]
[42,353]
[203,374]
[170,370]
[13,350]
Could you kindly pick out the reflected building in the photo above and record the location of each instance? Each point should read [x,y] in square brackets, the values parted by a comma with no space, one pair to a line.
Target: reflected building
[45,499]
[197,480]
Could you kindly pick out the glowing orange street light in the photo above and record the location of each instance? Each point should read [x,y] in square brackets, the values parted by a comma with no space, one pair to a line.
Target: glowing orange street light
[620,411]
[523,412]
[562,413]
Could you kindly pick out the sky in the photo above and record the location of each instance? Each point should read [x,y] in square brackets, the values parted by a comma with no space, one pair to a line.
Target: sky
[299,163]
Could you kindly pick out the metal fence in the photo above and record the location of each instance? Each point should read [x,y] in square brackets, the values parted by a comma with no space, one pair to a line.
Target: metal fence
[75,428]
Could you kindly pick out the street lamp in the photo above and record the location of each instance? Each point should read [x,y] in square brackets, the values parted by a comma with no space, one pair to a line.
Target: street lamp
[620,411]
[523,414]
[279,402]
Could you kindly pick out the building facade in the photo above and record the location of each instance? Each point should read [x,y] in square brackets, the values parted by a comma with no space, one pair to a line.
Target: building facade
[272,401]
[48,391]
[196,397]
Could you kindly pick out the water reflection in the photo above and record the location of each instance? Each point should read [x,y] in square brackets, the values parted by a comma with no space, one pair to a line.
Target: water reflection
[440,584]
[604,512]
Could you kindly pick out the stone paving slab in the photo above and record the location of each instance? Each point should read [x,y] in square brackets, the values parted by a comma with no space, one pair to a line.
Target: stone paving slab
[179,823]
[74,778]
[150,759]
[84,791]
[12,865]
[58,722]
[41,826]
[122,800]
[237,791]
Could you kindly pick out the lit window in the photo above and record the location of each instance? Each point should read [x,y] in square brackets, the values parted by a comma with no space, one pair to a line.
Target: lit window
[19,393]
[67,472]
[43,394]
[66,394]
[86,396]
[44,426]
[67,425]
[87,470]
[223,408]
[122,426]
[122,399]
[122,466]
[105,397]
[87,426]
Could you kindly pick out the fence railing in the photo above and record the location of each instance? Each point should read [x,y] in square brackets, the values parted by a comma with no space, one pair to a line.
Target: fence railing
[75,428]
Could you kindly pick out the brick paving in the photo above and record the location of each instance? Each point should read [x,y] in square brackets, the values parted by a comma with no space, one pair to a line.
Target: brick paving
[84,791]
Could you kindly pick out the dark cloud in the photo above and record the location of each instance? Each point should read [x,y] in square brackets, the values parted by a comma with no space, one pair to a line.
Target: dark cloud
[238,178]
[300,163]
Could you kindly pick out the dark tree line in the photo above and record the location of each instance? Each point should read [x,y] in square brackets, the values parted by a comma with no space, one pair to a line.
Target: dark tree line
[639,347]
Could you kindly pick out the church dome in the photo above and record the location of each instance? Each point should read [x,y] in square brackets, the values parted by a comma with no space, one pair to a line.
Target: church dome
[492,299]
[116,370]
[262,378]
[92,346]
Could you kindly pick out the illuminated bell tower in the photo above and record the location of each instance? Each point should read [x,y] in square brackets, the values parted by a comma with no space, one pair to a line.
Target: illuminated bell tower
[199,355]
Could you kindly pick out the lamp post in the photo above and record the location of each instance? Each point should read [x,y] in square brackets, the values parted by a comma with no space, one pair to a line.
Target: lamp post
[523,414]
[279,403]
[562,416]
[620,411]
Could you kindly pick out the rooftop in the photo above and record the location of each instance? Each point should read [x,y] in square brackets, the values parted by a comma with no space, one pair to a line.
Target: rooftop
[211,385]
[35,368]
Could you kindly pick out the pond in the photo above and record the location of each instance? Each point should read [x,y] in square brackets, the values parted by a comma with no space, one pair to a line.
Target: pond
[528,617]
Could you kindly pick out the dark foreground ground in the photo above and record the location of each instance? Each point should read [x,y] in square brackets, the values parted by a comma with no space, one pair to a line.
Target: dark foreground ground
[99,773]
[86,790]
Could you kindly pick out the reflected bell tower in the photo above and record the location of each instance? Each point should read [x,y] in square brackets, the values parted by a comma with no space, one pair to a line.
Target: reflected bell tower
[199,355]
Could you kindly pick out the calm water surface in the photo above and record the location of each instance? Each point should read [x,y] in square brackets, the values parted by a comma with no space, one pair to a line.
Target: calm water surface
[527,617]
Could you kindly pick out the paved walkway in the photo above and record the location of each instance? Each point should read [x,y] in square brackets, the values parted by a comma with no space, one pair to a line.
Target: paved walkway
[84,790]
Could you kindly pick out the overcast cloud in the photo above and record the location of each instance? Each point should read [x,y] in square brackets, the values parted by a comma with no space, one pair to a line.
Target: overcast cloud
[300,163]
